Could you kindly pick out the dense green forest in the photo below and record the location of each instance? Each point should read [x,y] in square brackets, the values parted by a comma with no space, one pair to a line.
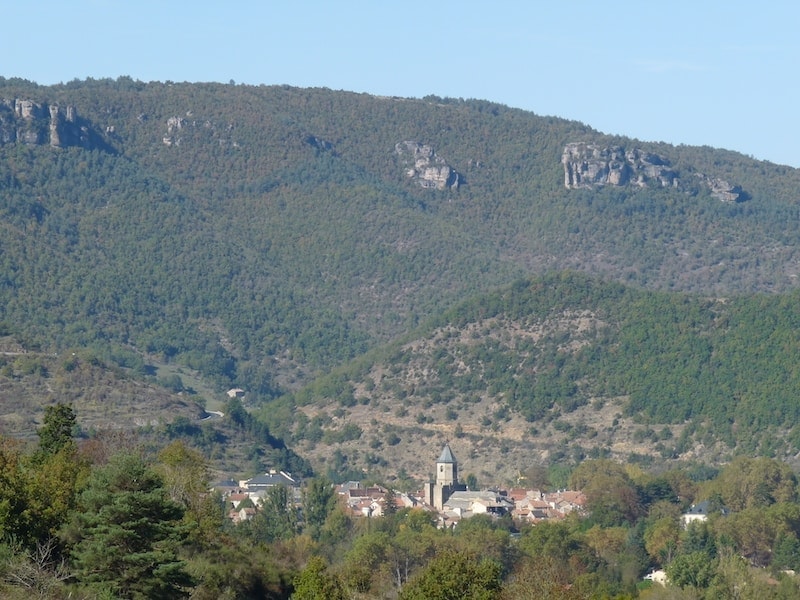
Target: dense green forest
[262,234]
[203,236]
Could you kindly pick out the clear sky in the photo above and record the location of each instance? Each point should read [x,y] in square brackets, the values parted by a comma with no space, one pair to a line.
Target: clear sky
[717,73]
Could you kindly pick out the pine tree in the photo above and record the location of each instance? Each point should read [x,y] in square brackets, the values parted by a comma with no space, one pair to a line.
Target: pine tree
[56,433]
[128,531]
[278,518]
[390,502]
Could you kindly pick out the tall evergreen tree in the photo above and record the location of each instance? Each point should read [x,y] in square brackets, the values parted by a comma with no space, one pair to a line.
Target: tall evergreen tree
[278,519]
[12,492]
[319,499]
[56,432]
[128,533]
[389,502]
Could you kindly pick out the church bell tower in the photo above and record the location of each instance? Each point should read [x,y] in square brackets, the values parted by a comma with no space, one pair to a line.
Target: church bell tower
[446,468]
[438,491]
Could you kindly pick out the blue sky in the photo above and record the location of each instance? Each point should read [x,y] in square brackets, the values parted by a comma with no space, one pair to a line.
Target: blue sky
[722,74]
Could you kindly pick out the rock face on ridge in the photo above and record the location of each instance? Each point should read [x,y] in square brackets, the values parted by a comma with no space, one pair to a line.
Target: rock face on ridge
[589,165]
[28,122]
[428,169]
[190,126]
[722,190]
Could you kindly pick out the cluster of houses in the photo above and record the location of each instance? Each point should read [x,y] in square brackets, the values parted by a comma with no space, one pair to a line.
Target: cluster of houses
[450,500]
[453,501]
[524,505]
[244,497]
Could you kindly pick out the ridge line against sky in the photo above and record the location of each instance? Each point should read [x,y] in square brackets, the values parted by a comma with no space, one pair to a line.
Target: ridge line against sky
[718,74]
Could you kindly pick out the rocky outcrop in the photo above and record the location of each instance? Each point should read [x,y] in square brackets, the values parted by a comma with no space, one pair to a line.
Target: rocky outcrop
[589,165]
[188,128]
[318,143]
[425,167]
[27,122]
[721,189]
[174,125]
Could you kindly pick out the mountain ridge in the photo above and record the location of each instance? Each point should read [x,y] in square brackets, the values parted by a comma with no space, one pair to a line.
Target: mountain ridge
[263,236]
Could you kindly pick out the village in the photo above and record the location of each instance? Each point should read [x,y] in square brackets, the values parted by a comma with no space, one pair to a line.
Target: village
[446,498]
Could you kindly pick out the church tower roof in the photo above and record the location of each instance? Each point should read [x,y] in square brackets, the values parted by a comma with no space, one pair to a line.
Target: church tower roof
[447,455]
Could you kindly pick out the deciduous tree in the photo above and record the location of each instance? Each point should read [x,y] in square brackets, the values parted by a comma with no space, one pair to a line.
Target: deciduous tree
[316,583]
[455,576]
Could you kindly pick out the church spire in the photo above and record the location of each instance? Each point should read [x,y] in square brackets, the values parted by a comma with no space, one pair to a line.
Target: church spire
[446,468]
[447,455]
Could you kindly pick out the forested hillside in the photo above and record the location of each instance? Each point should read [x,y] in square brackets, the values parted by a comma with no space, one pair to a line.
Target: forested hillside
[556,369]
[376,276]
[258,234]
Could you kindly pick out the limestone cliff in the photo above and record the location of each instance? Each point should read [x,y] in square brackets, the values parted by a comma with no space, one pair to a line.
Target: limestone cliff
[425,167]
[27,122]
[589,165]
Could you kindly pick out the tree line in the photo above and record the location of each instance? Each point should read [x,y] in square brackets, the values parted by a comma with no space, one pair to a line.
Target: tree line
[104,517]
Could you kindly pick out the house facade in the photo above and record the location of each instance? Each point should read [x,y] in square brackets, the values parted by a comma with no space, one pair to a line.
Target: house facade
[243,498]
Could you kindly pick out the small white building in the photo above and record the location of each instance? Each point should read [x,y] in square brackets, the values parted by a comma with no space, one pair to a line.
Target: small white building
[700,512]
[657,576]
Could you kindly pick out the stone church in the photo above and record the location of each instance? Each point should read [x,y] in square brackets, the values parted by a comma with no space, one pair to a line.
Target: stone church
[438,491]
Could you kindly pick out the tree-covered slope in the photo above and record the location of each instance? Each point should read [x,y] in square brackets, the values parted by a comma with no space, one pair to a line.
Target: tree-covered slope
[260,234]
[562,367]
